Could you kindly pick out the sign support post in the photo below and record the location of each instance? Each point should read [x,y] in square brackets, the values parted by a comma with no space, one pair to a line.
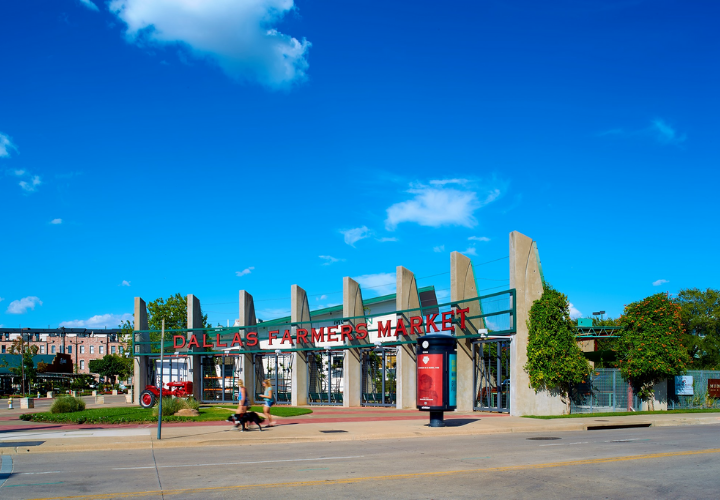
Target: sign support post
[162,350]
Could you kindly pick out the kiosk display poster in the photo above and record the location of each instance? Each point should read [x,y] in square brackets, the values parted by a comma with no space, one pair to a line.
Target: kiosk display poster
[452,396]
[430,380]
[684,385]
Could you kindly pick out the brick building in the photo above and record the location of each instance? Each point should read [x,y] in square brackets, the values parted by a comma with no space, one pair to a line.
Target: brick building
[81,344]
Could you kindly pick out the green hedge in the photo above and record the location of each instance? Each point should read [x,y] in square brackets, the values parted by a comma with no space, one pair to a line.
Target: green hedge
[67,404]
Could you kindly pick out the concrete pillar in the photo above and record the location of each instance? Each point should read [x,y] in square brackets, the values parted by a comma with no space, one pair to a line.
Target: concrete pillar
[526,279]
[140,370]
[194,320]
[406,297]
[462,287]
[299,312]
[352,368]
[247,318]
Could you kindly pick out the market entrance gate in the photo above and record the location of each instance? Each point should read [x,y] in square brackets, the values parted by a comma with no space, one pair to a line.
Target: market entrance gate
[278,369]
[492,375]
[325,377]
[379,377]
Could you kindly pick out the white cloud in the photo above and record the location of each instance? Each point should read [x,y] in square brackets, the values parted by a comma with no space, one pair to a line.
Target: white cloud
[124,283]
[18,173]
[56,221]
[381,283]
[237,35]
[5,146]
[574,313]
[352,236]
[386,239]
[21,306]
[439,249]
[660,282]
[322,297]
[329,259]
[245,271]
[99,321]
[442,295]
[437,205]
[478,238]
[470,251]
[665,134]
[89,5]
[30,187]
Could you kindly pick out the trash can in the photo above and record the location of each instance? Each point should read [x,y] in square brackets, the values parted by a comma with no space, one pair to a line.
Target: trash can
[436,376]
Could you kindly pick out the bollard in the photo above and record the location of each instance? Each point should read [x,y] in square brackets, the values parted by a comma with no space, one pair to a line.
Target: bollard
[114,392]
[129,396]
[94,393]
[100,400]
[50,394]
[10,403]
[27,403]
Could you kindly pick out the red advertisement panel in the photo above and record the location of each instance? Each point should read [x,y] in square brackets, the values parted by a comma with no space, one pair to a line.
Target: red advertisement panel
[430,380]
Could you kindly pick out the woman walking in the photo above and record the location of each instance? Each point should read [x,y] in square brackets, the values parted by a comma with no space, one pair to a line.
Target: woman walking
[269,398]
[243,404]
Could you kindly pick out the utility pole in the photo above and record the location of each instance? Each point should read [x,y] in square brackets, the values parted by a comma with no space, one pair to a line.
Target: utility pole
[22,360]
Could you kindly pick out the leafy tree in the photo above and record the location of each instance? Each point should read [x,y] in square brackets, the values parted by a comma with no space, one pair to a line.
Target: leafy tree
[173,311]
[555,361]
[650,348]
[111,366]
[19,346]
[700,313]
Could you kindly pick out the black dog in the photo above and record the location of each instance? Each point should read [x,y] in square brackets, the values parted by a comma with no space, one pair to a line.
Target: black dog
[247,417]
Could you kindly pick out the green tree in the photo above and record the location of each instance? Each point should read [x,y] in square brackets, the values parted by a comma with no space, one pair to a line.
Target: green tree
[19,346]
[111,366]
[555,361]
[650,349]
[173,311]
[700,313]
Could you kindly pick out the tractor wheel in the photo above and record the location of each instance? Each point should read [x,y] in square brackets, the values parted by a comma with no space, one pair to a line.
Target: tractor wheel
[147,399]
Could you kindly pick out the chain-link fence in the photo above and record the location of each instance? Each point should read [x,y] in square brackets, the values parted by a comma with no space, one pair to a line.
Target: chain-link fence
[604,391]
[700,397]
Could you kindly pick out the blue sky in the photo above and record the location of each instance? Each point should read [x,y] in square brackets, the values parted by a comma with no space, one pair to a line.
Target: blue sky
[153,147]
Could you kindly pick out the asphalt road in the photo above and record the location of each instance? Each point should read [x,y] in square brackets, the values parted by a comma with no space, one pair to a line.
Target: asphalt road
[663,462]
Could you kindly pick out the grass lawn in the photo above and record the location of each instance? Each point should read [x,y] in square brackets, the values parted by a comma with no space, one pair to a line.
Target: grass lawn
[625,413]
[138,415]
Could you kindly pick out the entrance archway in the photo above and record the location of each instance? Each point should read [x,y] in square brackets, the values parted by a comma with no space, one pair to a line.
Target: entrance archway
[325,377]
[379,377]
[492,375]
[278,369]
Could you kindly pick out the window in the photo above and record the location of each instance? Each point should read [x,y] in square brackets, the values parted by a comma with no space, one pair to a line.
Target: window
[121,349]
[69,349]
[82,349]
[52,349]
[82,364]
[112,349]
[3,349]
[42,349]
[102,349]
[92,349]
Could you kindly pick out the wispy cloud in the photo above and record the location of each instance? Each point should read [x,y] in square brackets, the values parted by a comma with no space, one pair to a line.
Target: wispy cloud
[322,297]
[89,5]
[329,259]
[31,185]
[380,284]
[574,313]
[124,283]
[660,282]
[245,271]
[56,221]
[439,249]
[21,306]
[237,35]
[99,321]
[6,145]
[386,239]
[478,238]
[659,129]
[449,202]
[1,299]
[470,251]
[268,314]
[352,236]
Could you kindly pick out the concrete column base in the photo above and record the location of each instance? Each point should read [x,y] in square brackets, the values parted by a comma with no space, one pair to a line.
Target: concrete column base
[26,403]
[99,400]
[50,394]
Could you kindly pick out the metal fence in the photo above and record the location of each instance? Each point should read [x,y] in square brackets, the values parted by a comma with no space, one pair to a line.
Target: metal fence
[604,391]
[700,397]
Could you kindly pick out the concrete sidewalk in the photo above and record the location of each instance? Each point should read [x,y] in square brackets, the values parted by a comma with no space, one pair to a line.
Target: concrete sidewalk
[325,424]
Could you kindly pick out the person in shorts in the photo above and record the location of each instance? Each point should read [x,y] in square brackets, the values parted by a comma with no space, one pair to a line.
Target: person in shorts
[244,403]
[269,397]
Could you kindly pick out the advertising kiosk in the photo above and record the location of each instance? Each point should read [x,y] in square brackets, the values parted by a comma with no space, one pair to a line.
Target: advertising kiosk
[436,376]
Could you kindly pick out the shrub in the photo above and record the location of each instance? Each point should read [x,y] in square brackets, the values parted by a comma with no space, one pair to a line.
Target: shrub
[67,404]
[170,406]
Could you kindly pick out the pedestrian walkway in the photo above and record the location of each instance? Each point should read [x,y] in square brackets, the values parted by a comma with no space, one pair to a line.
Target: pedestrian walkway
[324,424]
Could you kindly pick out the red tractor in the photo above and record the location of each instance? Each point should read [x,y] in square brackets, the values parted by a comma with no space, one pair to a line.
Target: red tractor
[149,396]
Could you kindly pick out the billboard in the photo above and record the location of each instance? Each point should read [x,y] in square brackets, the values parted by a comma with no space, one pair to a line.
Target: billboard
[430,380]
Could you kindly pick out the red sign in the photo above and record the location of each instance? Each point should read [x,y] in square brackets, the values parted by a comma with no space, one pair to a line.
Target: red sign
[714,387]
[430,380]
[416,325]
